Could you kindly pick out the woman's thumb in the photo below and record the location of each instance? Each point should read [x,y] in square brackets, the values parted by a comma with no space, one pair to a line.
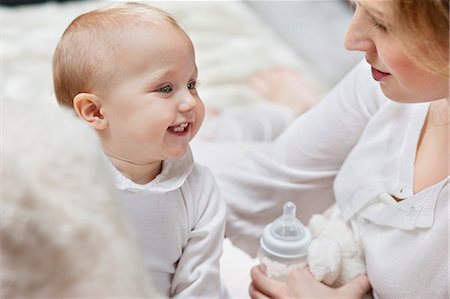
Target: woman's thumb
[358,286]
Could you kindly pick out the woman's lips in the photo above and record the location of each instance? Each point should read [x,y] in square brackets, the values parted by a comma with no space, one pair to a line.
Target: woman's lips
[378,75]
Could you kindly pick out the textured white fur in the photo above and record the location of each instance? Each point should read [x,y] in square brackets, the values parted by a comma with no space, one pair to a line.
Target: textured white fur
[335,256]
[62,233]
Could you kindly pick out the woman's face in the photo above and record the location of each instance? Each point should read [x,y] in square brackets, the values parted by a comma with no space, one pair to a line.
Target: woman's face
[400,78]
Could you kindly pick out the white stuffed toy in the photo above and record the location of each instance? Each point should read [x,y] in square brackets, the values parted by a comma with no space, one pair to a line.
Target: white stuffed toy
[61,229]
[335,255]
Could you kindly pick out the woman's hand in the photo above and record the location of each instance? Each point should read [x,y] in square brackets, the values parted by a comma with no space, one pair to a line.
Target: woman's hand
[301,284]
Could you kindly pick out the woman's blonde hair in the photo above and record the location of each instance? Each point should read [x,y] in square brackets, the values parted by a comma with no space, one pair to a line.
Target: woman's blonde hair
[86,55]
[423,28]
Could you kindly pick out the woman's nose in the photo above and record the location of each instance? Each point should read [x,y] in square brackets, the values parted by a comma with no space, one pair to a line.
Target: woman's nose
[358,36]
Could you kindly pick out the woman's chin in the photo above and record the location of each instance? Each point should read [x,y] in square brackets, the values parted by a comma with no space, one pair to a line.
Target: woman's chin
[413,94]
[398,95]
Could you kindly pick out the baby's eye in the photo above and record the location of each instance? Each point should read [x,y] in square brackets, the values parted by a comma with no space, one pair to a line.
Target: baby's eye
[192,85]
[166,89]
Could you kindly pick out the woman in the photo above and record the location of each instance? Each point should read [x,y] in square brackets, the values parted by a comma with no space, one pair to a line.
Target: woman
[382,130]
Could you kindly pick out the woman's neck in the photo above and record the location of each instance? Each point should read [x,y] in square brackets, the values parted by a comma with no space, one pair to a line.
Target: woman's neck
[439,113]
[432,151]
[136,172]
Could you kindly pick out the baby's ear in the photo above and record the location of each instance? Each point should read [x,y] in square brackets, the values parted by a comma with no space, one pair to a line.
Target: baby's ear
[88,107]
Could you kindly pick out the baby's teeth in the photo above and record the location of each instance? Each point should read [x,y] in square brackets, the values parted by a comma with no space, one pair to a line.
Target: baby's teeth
[181,127]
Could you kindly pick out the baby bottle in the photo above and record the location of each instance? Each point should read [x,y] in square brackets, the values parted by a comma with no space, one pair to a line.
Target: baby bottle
[284,245]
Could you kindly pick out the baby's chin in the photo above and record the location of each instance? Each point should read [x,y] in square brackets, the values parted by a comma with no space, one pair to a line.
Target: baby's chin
[179,152]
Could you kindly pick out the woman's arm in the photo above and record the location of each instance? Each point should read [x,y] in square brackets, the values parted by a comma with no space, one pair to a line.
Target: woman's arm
[300,165]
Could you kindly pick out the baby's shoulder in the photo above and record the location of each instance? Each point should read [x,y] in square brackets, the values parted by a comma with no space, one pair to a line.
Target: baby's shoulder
[202,184]
[202,194]
[201,173]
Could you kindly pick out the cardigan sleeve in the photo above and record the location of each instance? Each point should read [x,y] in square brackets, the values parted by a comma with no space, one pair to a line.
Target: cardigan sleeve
[197,274]
[301,164]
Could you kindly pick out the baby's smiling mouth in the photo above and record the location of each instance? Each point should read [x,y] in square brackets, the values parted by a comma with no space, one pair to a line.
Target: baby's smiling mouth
[180,128]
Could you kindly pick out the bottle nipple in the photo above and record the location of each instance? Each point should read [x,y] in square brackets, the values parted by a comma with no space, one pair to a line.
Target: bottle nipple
[288,227]
[286,237]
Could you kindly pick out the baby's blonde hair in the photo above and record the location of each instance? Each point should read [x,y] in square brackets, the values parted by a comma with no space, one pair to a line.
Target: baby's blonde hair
[423,28]
[85,55]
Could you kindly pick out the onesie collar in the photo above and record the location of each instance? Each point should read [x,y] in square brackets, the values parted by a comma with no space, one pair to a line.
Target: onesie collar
[173,175]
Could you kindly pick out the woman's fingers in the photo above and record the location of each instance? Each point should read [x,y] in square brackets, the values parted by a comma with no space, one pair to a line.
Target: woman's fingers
[265,285]
[359,286]
[302,284]
[254,294]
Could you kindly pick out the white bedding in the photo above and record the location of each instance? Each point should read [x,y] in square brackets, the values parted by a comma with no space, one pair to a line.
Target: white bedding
[231,44]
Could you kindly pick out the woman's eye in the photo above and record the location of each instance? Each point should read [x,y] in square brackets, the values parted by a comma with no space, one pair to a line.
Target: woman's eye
[192,85]
[379,26]
[166,89]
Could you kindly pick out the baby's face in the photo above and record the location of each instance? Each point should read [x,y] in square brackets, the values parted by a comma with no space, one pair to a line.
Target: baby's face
[152,106]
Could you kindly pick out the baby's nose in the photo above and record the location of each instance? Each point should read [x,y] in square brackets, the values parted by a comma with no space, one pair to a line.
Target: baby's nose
[188,103]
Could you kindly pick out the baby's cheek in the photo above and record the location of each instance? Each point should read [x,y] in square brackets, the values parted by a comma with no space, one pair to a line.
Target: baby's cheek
[200,115]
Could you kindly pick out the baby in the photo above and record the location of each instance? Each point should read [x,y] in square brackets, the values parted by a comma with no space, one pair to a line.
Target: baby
[129,71]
